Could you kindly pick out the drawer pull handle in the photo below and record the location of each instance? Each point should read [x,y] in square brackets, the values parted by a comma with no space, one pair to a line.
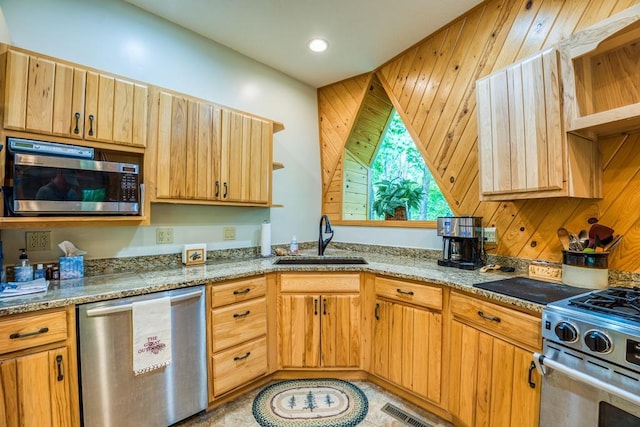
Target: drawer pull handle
[377,311]
[324,306]
[91,117]
[17,335]
[315,306]
[242,292]
[401,292]
[490,318]
[76,130]
[245,314]
[59,365]
[532,367]
[238,358]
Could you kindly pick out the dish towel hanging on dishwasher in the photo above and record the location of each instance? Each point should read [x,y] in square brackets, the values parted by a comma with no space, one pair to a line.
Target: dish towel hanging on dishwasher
[151,334]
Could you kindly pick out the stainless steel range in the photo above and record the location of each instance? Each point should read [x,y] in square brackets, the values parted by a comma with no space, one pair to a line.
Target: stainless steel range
[591,360]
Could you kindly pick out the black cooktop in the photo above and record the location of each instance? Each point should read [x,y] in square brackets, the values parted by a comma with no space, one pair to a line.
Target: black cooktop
[531,290]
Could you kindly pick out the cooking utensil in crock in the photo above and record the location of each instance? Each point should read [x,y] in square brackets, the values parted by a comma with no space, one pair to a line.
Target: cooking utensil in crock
[614,243]
[563,236]
[604,233]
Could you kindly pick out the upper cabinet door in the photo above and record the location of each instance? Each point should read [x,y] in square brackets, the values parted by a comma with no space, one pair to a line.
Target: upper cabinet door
[48,97]
[245,158]
[188,165]
[523,149]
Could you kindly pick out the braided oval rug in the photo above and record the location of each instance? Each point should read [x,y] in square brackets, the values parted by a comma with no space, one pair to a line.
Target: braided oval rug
[310,403]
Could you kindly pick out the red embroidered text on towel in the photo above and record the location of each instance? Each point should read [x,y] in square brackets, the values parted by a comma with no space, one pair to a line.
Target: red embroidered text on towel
[151,334]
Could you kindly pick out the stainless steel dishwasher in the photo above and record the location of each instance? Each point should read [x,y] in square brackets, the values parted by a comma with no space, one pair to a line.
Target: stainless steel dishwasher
[112,396]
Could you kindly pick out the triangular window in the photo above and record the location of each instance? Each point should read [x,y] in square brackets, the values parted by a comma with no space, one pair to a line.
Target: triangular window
[396,178]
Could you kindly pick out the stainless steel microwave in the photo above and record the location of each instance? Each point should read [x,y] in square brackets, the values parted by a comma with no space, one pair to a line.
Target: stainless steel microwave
[60,179]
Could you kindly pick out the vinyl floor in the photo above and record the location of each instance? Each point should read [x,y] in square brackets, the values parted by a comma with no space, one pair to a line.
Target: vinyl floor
[238,412]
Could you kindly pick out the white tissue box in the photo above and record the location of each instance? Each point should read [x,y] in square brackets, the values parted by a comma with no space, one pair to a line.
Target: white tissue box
[71,267]
[194,254]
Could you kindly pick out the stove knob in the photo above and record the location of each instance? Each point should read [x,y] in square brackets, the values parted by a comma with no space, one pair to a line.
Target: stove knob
[597,341]
[566,332]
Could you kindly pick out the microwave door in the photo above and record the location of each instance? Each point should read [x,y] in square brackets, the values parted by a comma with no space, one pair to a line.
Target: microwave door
[58,185]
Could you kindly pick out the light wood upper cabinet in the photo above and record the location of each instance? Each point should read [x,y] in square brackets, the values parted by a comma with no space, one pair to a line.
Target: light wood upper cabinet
[54,98]
[209,153]
[492,380]
[38,381]
[318,330]
[524,151]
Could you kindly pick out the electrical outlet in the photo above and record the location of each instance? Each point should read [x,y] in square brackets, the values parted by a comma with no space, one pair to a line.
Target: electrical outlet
[490,236]
[37,241]
[164,235]
[229,233]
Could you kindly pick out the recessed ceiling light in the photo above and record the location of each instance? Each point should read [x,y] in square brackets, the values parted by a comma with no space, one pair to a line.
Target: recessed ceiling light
[318,45]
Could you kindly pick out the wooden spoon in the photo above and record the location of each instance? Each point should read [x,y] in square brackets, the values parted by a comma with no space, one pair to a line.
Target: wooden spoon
[563,236]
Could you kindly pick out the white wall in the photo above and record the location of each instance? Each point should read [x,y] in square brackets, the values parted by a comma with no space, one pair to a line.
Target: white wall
[116,37]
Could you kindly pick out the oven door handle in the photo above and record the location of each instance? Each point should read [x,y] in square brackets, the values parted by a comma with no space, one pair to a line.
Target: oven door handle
[542,363]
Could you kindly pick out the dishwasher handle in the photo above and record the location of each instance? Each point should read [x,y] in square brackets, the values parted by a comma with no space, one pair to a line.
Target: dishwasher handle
[542,363]
[101,311]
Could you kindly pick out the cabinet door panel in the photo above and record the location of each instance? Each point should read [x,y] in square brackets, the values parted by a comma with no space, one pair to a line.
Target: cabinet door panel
[489,380]
[205,172]
[105,114]
[299,331]
[62,100]
[92,84]
[78,98]
[15,102]
[381,347]
[340,338]
[139,120]
[123,104]
[40,88]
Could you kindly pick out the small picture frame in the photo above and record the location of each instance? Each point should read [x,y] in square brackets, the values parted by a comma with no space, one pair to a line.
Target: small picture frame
[195,256]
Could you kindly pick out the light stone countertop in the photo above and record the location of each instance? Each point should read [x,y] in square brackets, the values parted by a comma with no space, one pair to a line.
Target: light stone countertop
[118,285]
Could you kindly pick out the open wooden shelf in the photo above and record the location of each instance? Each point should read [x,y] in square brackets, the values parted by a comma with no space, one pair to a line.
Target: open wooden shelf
[70,221]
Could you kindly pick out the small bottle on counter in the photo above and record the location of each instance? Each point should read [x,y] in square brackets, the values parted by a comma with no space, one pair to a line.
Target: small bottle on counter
[55,273]
[294,246]
[24,271]
[39,273]
[49,272]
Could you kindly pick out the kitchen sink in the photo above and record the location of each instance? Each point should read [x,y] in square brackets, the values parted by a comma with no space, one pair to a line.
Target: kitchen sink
[321,261]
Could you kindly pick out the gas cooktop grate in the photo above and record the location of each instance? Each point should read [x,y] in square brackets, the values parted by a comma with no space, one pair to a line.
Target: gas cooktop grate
[616,301]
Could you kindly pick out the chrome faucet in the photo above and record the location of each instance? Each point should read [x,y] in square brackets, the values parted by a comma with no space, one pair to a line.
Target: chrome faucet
[322,242]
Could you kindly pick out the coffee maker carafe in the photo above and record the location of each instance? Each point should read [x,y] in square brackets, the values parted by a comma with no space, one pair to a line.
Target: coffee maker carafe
[462,241]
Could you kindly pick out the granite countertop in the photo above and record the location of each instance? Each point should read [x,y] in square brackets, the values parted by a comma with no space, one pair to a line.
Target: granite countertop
[117,285]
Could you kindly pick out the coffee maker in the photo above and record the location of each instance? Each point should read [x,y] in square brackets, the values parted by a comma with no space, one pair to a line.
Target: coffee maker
[462,241]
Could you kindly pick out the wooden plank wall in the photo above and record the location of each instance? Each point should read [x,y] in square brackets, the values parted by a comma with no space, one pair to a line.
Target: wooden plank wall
[432,86]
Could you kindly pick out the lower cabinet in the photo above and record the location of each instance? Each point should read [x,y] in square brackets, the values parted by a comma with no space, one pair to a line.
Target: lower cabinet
[238,329]
[38,382]
[407,336]
[322,328]
[492,381]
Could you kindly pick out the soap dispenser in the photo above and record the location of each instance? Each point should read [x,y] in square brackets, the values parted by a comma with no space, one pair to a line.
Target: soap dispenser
[24,271]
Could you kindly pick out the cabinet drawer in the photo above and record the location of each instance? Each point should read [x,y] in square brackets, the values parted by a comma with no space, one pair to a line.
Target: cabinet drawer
[424,295]
[25,331]
[502,321]
[238,323]
[314,283]
[237,291]
[238,365]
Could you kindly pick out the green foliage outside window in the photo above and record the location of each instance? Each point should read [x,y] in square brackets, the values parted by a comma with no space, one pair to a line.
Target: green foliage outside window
[398,159]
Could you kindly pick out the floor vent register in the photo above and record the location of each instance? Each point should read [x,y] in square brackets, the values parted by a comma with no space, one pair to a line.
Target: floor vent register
[403,416]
